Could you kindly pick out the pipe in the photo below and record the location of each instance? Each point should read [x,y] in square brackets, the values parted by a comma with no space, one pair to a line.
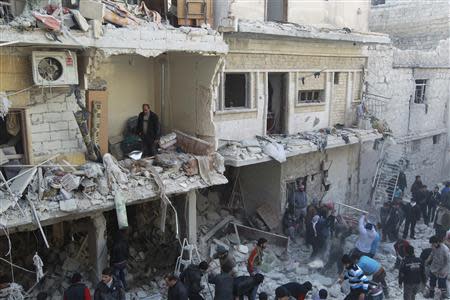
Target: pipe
[163,93]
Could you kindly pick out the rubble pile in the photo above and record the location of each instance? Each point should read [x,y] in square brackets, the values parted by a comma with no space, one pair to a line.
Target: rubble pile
[309,141]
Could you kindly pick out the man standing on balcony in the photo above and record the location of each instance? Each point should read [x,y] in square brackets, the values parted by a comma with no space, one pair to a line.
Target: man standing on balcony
[148,128]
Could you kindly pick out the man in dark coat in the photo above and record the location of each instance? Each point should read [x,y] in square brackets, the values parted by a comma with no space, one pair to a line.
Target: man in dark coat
[148,128]
[192,277]
[177,290]
[416,186]
[412,211]
[411,274]
[77,290]
[119,256]
[223,284]
[109,288]
[247,286]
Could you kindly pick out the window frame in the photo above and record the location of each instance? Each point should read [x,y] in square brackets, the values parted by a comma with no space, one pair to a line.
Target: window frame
[436,139]
[422,84]
[311,102]
[248,92]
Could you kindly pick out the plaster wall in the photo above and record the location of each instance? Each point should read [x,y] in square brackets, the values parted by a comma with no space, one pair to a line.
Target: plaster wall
[351,14]
[130,83]
[412,24]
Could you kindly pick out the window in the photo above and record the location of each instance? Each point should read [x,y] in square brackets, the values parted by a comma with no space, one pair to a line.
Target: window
[436,139]
[310,96]
[378,2]
[236,90]
[415,146]
[336,78]
[421,85]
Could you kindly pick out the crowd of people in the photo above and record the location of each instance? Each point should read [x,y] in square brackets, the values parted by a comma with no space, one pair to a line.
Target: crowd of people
[321,229]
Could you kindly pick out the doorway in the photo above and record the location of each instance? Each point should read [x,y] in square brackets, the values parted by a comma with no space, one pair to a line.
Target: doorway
[276,107]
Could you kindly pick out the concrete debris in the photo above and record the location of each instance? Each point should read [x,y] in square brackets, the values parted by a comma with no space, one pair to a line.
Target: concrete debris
[273,146]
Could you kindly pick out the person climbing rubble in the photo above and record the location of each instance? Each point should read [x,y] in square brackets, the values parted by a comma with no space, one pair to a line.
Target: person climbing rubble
[247,286]
[367,234]
[439,266]
[109,288]
[119,256]
[256,257]
[294,289]
[225,259]
[191,277]
[77,290]
[223,283]
[177,290]
[411,274]
[359,283]
[412,215]
[148,128]
[373,268]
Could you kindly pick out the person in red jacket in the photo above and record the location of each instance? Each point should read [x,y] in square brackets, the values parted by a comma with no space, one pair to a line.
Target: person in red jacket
[256,257]
[77,290]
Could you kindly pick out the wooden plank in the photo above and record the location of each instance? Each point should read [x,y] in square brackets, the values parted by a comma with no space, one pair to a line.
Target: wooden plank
[216,228]
[254,234]
[269,216]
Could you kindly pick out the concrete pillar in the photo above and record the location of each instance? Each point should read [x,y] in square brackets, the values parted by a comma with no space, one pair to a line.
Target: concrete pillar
[349,99]
[191,198]
[98,251]
[58,234]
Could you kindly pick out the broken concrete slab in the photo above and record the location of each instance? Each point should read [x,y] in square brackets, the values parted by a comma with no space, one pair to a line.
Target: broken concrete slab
[80,20]
[19,184]
[269,216]
[68,205]
[93,10]
[191,144]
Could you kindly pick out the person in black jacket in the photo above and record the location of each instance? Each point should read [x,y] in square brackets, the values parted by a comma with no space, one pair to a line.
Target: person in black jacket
[191,277]
[411,274]
[247,286]
[119,256]
[177,290]
[77,290]
[433,202]
[148,128]
[223,283]
[412,211]
[416,186]
[109,288]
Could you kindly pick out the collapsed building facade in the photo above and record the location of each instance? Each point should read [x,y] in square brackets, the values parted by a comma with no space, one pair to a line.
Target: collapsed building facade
[407,86]
[277,102]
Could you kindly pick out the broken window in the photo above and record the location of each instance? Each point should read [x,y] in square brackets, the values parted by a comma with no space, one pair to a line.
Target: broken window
[336,77]
[236,90]
[277,10]
[378,2]
[415,146]
[311,96]
[421,85]
[436,139]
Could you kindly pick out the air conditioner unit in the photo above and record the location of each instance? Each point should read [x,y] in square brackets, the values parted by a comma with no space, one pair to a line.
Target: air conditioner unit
[55,68]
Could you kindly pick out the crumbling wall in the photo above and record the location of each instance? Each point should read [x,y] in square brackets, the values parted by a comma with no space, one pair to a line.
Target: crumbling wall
[351,14]
[412,24]
[130,83]
[248,9]
[191,93]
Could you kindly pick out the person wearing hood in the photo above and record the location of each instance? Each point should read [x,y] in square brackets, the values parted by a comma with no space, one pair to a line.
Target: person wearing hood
[225,258]
[367,235]
[294,289]
[412,213]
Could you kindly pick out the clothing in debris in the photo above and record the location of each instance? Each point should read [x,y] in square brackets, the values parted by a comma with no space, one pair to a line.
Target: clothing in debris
[366,236]
[77,291]
[223,286]
[297,290]
[191,277]
[112,291]
[178,292]
[148,128]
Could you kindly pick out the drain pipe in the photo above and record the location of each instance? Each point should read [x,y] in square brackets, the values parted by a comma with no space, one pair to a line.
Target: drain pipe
[163,62]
